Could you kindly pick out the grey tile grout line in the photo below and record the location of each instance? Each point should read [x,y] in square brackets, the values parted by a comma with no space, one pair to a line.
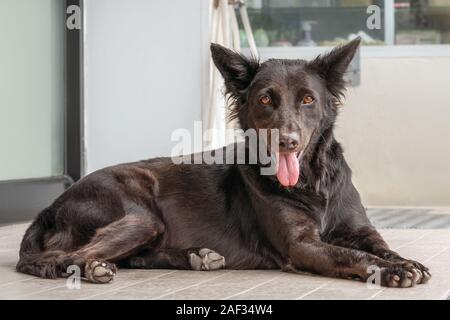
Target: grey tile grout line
[36,292]
[8,236]
[314,290]
[427,260]
[331,281]
[127,286]
[385,232]
[254,287]
[415,240]
[17,281]
[13,231]
[391,233]
[27,279]
[62,286]
[193,285]
[396,248]
[247,290]
[437,254]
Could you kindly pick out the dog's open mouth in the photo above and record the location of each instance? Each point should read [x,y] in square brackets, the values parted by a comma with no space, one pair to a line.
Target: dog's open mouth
[288,168]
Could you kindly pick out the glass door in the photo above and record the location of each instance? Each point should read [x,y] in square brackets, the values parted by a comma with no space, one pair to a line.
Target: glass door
[32,106]
[32,86]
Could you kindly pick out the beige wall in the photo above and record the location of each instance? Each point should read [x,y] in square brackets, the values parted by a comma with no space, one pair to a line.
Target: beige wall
[395,129]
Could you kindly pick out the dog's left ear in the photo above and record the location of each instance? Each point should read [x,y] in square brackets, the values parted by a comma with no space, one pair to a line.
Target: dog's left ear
[333,65]
[236,69]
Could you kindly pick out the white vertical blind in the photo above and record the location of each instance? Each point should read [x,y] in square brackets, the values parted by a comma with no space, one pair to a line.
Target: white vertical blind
[224,31]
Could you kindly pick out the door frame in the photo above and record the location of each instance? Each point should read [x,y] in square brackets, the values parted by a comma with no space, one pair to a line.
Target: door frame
[22,200]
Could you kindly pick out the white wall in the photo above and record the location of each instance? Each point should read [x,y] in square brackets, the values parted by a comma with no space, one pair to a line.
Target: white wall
[395,131]
[144,67]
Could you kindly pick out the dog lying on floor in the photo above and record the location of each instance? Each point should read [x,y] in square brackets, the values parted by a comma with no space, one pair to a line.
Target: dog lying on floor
[157,214]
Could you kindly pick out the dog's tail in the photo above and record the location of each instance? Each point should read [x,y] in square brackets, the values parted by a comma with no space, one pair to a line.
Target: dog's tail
[33,259]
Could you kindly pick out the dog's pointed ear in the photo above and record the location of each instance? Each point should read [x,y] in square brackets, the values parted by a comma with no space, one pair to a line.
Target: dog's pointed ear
[333,65]
[236,69]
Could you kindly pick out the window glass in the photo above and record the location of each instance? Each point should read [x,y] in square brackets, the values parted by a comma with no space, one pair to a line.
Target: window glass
[278,23]
[422,22]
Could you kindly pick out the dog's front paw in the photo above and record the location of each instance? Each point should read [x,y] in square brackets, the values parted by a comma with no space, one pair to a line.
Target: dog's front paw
[206,259]
[404,274]
[99,271]
[421,272]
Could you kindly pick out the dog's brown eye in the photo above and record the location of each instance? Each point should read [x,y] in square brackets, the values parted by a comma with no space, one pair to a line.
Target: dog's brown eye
[265,100]
[307,100]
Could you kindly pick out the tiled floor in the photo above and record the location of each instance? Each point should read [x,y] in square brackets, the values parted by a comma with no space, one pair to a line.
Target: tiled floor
[432,247]
[410,218]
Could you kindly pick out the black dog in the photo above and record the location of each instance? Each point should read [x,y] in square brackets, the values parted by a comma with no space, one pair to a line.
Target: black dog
[155,214]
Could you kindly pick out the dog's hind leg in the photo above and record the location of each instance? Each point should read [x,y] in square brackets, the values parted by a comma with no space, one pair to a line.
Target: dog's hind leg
[114,242]
[96,259]
[201,259]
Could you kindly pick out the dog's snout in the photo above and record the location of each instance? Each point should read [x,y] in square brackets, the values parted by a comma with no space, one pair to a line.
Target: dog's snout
[289,142]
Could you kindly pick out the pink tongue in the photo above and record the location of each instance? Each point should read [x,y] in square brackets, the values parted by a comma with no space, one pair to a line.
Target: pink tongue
[288,168]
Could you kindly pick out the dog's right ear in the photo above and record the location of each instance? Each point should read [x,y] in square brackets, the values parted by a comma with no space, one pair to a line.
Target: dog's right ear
[236,69]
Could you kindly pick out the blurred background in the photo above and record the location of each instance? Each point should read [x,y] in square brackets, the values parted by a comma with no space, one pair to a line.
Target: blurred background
[74,100]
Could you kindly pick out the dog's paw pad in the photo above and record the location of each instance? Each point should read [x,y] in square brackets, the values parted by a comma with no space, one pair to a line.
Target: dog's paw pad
[206,259]
[395,280]
[404,275]
[421,274]
[100,271]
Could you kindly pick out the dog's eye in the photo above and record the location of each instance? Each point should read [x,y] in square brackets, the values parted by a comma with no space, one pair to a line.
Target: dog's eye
[265,100]
[307,100]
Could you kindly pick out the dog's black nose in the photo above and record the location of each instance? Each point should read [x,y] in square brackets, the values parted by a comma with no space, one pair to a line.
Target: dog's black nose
[289,142]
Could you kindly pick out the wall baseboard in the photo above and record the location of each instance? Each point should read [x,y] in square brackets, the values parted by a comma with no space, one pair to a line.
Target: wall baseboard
[22,200]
